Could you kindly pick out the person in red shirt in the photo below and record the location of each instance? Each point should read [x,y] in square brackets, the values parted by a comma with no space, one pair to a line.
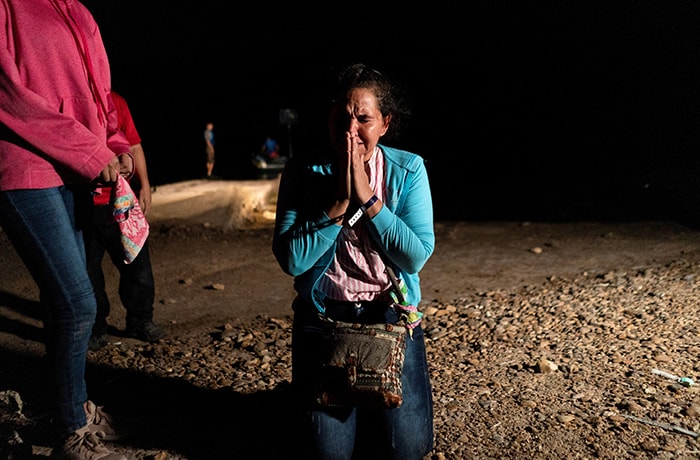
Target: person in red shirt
[136,282]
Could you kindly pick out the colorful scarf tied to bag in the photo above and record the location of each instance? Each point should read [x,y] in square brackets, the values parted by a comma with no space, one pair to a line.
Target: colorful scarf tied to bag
[132,223]
[399,293]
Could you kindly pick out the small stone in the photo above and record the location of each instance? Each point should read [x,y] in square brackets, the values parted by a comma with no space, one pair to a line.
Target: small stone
[546,367]
[565,418]
[528,403]
[693,410]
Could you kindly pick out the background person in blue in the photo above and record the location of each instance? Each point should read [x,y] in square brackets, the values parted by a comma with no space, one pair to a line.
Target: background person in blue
[339,264]
[209,148]
[270,149]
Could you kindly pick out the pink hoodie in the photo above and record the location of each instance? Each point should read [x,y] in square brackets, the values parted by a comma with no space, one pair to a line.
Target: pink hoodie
[57,120]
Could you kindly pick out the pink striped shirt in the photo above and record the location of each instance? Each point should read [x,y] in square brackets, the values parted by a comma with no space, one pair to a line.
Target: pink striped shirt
[357,271]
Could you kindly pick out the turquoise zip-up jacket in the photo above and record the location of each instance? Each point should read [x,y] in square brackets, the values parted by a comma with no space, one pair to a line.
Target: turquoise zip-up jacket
[305,238]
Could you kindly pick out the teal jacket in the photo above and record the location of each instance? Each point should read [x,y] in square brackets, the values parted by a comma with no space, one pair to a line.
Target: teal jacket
[305,238]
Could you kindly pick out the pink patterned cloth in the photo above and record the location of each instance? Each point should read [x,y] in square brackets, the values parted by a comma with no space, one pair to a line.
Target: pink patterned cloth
[132,223]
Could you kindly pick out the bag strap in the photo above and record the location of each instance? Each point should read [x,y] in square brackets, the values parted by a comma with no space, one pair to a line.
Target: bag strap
[409,314]
[399,287]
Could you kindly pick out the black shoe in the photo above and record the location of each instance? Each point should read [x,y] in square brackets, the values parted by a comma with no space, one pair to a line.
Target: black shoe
[147,331]
[97,342]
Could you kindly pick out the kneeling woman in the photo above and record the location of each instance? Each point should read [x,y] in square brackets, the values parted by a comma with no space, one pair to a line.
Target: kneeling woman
[342,218]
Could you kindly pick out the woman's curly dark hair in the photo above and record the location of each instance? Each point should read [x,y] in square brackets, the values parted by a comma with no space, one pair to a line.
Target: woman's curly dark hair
[389,94]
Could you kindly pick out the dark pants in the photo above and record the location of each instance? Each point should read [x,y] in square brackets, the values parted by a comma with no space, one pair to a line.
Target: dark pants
[136,284]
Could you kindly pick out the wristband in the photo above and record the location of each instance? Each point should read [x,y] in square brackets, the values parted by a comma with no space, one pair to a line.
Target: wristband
[369,203]
[361,210]
[353,220]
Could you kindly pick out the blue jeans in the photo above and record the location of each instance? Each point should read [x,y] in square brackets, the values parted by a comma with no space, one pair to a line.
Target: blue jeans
[403,433]
[41,224]
[136,284]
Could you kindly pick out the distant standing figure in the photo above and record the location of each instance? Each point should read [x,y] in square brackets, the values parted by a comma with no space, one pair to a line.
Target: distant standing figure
[209,148]
[136,283]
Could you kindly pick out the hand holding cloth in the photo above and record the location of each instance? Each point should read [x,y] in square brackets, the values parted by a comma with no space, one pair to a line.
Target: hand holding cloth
[133,225]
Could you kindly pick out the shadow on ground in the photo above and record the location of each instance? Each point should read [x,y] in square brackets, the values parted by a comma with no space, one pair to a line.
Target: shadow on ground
[174,416]
[195,422]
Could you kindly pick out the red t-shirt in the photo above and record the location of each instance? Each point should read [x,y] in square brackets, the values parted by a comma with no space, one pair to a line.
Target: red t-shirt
[125,124]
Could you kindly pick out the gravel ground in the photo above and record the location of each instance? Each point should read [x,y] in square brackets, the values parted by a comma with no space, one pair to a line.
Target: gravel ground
[559,370]
[545,341]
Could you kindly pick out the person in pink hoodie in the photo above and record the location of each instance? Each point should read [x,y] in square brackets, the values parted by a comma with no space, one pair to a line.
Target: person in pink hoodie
[58,138]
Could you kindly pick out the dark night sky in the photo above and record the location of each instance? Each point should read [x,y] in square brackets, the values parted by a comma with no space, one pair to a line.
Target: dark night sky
[539,111]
